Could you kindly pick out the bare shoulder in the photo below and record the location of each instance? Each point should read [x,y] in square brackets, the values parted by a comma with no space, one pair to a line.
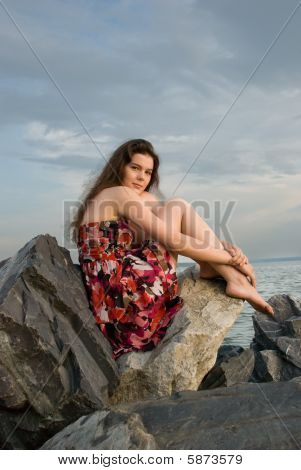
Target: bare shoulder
[147,196]
[115,192]
[124,191]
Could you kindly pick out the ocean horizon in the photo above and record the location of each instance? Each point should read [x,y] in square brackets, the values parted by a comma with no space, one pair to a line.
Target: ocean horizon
[255,260]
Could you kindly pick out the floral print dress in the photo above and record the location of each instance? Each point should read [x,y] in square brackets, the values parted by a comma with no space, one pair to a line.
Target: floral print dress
[132,287]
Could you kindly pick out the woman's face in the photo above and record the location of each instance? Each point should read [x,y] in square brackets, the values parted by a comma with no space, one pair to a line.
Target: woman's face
[138,172]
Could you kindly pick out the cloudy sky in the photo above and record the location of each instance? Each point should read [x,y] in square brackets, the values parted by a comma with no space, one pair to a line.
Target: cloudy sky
[77,78]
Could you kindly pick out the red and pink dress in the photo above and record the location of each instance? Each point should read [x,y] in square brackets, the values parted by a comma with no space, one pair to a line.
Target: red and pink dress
[132,287]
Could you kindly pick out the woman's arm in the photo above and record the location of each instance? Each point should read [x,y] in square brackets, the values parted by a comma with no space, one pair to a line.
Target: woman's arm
[235,251]
[132,207]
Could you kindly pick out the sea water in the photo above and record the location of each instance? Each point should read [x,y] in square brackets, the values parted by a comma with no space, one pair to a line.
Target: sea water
[274,276]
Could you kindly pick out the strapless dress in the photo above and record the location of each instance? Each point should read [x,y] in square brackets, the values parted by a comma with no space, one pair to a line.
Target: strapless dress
[132,286]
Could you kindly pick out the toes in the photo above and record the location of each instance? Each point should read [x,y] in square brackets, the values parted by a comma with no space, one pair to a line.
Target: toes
[270,309]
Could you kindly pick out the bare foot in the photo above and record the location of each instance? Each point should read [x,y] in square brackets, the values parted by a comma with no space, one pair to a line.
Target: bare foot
[241,288]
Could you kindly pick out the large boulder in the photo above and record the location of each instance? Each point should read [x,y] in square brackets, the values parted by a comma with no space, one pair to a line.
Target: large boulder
[281,330]
[242,417]
[54,363]
[277,340]
[188,350]
[274,354]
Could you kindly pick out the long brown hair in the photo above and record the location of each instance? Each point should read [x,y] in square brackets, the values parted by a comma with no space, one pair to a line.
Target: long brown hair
[112,175]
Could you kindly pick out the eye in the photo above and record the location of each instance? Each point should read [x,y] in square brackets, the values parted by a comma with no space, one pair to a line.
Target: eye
[136,168]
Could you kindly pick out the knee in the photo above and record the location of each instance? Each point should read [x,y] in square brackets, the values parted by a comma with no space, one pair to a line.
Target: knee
[178,202]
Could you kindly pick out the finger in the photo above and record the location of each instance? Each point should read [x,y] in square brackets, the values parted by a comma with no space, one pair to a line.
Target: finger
[237,250]
[239,260]
[235,263]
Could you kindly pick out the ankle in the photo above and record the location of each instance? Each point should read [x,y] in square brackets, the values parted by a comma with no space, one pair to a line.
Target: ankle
[235,276]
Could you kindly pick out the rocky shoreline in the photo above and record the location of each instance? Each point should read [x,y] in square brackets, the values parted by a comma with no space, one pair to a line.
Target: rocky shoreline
[58,379]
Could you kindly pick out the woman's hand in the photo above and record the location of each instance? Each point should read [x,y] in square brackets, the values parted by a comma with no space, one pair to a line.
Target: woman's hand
[248,271]
[238,257]
[240,262]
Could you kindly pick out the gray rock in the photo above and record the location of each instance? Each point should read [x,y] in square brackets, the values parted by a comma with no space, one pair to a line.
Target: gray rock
[270,366]
[226,351]
[3,262]
[230,371]
[293,326]
[55,365]
[188,350]
[103,430]
[281,333]
[243,417]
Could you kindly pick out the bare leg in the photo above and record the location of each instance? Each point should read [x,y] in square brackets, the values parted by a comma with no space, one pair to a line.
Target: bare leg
[179,215]
[193,225]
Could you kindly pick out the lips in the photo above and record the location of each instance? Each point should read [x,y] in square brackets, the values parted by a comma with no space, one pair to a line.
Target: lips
[137,185]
